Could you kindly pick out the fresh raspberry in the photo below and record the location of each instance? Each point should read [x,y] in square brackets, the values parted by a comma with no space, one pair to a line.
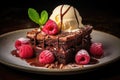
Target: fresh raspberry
[96,49]
[26,51]
[50,28]
[46,57]
[21,41]
[82,57]
[17,44]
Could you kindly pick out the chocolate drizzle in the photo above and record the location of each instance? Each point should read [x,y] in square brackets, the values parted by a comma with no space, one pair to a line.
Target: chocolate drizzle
[43,41]
[58,43]
[61,18]
[35,38]
[43,46]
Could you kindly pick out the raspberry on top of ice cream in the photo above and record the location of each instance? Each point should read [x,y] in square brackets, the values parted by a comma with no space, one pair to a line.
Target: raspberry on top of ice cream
[50,28]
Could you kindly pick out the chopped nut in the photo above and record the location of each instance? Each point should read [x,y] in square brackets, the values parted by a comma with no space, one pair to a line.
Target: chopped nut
[47,65]
[81,66]
[61,66]
[67,67]
[74,65]
[51,66]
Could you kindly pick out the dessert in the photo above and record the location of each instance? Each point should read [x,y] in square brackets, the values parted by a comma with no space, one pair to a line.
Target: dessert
[62,39]
[63,45]
[96,49]
[21,41]
[26,51]
[46,57]
[82,57]
[67,18]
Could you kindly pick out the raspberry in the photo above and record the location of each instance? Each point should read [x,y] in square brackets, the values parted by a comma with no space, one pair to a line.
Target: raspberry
[26,51]
[17,44]
[21,41]
[82,57]
[46,57]
[96,49]
[50,28]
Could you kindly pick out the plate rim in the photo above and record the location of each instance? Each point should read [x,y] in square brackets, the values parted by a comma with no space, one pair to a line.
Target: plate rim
[55,71]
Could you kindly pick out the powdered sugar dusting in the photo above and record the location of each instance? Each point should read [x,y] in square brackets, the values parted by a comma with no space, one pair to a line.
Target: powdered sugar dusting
[24,40]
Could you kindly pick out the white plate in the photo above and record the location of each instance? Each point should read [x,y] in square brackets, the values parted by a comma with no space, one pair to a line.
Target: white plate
[111,46]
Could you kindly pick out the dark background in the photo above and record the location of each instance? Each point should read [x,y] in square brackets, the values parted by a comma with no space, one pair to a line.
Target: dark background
[95,12]
[99,5]
[104,15]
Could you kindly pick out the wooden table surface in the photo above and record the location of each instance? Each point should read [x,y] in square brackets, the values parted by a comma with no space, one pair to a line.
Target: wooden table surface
[104,20]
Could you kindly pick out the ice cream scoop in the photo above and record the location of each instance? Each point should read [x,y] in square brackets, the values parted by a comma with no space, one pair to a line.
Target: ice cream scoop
[67,18]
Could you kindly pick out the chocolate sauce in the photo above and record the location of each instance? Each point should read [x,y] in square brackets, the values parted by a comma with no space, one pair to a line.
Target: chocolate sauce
[93,61]
[58,43]
[35,38]
[61,18]
[34,61]
[14,53]
[43,46]
[63,14]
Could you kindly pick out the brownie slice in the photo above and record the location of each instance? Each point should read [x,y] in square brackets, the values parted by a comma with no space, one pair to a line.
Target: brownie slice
[64,45]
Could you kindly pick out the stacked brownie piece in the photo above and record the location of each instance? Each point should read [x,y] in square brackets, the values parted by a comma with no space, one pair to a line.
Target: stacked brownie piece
[64,45]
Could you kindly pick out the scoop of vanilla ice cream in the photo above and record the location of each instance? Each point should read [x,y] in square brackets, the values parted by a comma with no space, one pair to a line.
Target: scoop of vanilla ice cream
[67,18]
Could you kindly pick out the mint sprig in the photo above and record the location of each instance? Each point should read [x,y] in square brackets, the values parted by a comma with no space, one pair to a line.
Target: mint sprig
[38,19]
[44,17]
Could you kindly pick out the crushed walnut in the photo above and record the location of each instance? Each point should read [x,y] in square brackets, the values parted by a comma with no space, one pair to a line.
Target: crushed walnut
[56,65]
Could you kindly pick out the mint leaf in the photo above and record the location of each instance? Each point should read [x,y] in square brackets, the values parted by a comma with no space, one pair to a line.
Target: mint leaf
[43,17]
[33,15]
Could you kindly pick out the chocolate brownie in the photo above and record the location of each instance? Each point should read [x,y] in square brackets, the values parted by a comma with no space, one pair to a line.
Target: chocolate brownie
[64,45]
